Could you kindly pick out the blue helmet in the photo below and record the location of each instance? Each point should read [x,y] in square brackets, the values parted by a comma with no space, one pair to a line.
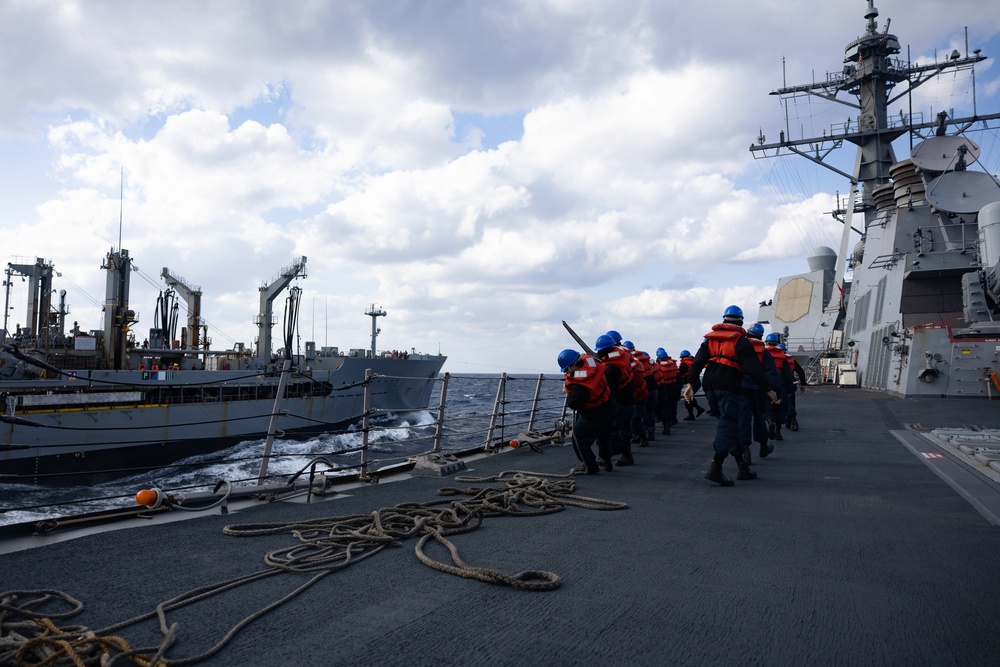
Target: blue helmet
[615,336]
[734,313]
[685,353]
[567,358]
[661,353]
[772,339]
[629,344]
[757,330]
[783,346]
[604,342]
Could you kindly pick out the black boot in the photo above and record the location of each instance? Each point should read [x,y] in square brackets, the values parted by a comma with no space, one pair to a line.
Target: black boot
[777,432]
[716,475]
[765,449]
[793,424]
[745,473]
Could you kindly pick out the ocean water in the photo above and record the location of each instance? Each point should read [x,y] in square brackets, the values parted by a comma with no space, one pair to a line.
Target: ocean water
[469,409]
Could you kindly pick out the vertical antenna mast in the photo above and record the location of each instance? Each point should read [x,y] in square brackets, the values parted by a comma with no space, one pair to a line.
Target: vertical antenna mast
[121,208]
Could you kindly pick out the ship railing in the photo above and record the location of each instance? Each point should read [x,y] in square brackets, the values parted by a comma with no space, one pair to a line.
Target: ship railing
[457,422]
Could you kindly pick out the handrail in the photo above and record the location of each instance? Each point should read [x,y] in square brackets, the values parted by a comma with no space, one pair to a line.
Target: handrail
[520,406]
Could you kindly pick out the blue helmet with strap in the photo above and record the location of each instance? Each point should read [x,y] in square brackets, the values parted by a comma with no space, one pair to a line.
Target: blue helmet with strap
[733,315]
[566,359]
[603,342]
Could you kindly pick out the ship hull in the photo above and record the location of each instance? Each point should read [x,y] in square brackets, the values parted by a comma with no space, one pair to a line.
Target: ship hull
[107,423]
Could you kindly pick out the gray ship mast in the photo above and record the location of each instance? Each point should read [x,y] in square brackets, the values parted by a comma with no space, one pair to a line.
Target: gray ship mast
[375,313]
[117,316]
[192,297]
[38,318]
[870,74]
[268,293]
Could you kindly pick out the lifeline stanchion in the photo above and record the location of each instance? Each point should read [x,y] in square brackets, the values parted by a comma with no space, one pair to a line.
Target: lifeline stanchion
[534,403]
[273,424]
[365,420]
[439,428]
[501,393]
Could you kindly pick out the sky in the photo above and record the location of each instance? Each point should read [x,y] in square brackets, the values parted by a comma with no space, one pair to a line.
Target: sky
[481,170]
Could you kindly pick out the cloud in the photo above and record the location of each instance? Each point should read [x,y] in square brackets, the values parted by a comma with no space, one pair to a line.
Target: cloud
[357,134]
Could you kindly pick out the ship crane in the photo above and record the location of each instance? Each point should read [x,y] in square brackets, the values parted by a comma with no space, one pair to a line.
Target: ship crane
[268,293]
[192,297]
[39,319]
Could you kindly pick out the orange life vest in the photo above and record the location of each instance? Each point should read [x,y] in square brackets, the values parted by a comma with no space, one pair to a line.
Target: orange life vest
[722,345]
[779,356]
[642,364]
[590,376]
[668,370]
[621,358]
[758,347]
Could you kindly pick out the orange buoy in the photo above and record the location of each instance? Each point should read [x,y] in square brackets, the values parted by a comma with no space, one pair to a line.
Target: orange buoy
[514,443]
[149,497]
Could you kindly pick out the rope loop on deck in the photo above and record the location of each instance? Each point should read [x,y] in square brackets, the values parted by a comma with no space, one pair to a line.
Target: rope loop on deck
[30,638]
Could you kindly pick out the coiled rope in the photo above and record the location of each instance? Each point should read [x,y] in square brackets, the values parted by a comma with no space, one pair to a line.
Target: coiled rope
[30,638]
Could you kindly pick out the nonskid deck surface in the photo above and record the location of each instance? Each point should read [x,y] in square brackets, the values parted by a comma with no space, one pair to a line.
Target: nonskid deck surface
[847,550]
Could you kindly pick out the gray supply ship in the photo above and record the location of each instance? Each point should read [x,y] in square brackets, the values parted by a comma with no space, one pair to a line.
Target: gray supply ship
[102,404]
[912,306]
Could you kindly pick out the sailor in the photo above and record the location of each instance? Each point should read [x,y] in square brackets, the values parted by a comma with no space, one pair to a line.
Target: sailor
[727,355]
[682,368]
[669,391]
[791,419]
[644,391]
[618,371]
[778,412]
[589,396]
[757,394]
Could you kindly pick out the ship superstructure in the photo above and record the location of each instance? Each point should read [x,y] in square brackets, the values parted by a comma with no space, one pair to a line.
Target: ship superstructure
[916,316]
